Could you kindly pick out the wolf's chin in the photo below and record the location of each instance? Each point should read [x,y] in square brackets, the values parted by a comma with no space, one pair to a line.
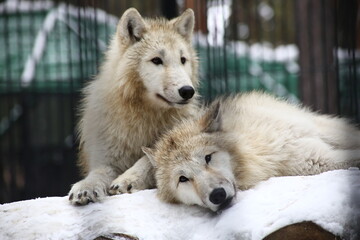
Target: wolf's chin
[225,205]
[172,104]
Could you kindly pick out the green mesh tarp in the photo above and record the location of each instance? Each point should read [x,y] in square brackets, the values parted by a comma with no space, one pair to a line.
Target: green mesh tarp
[50,47]
[227,70]
[53,47]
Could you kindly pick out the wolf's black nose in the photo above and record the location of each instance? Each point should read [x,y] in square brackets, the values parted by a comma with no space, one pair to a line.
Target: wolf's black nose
[218,196]
[186,92]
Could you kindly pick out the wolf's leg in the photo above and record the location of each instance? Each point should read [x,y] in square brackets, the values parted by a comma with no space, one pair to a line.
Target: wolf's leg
[345,158]
[319,156]
[138,177]
[338,132]
[92,188]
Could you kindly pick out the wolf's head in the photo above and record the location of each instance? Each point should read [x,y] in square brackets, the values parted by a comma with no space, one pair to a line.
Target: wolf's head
[159,56]
[192,164]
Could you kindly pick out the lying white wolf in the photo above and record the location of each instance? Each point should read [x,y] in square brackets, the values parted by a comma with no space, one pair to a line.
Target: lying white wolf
[146,84]
[244,139]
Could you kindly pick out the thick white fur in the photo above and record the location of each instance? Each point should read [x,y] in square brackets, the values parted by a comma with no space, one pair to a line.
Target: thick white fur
[251,138]
[122,109]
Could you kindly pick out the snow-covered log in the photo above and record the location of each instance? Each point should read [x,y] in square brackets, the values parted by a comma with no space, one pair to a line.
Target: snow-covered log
[330,200]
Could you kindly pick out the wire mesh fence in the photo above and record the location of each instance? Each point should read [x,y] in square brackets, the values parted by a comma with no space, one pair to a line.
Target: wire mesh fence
[305,51]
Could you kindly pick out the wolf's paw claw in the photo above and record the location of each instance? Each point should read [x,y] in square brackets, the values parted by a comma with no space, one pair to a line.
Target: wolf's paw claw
[119,186]
[82,198]
[82,195]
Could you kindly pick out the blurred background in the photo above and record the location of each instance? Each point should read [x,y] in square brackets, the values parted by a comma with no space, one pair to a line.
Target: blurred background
[307,51]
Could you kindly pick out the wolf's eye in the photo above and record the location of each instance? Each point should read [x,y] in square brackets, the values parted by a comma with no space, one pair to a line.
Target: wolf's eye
[157,61]
[208,158]
[183,179]
[183,60]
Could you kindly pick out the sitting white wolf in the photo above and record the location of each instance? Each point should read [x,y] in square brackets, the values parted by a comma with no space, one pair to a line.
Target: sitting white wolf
[146,84]
[242,140]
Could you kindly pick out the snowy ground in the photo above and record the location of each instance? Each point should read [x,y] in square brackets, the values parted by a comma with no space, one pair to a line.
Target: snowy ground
[331,200]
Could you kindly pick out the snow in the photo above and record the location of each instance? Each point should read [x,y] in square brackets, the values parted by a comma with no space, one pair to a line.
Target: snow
[265,11]
[218,16]
[217,19]
[347,54]
[331,200]
[264,51]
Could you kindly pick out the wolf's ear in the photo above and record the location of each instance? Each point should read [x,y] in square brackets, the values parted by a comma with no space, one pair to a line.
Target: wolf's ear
[184,24]
[131,27]
[149,153]
[211,121]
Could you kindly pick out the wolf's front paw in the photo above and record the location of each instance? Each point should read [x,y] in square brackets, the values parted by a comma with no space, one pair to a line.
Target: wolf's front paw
[126,183]
[83,193]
